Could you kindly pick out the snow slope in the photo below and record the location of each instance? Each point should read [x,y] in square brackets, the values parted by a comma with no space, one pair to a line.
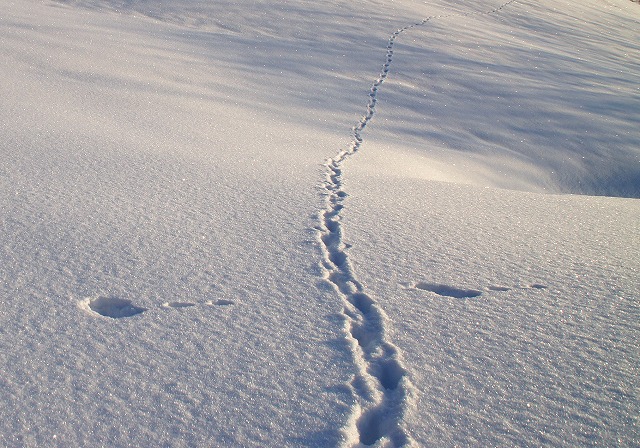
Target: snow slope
[515,313]
[197,249]
[523,336]
[533,97]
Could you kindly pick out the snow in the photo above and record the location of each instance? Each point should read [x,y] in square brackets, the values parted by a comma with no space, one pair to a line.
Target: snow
[522,337]
[308,224]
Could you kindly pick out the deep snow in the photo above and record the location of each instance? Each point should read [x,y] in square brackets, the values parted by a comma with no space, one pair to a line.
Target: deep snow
[308,224]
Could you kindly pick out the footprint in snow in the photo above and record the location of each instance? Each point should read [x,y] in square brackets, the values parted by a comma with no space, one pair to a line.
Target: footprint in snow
[220,302]
[462,293]
[117,308]
[178,304]
[448,291]
[112,307]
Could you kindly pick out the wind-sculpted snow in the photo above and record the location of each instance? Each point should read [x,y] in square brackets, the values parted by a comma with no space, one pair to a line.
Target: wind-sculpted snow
[533,98]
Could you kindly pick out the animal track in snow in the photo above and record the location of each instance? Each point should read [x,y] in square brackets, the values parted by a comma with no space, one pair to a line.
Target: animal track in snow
[112,307]
[220,302]
[178,304]
[381,385]
[117,308]
[463,293]
[448,291]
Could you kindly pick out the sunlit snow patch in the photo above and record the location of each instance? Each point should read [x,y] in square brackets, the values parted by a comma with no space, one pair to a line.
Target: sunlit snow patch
[113,307]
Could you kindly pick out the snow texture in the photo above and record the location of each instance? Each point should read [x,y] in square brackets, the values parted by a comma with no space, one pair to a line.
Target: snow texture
[350,223]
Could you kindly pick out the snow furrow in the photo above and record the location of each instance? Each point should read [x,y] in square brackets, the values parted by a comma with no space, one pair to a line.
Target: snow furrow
[381,385]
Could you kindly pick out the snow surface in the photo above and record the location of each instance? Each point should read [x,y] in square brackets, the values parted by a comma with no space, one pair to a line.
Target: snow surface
[319,224]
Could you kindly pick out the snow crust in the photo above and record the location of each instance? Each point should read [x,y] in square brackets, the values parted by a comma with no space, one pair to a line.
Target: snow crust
[319,224]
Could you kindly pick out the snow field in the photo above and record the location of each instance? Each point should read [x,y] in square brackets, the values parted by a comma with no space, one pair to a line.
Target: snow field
[178,267]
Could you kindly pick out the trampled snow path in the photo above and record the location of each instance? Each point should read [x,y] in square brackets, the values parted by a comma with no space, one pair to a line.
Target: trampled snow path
[381,385]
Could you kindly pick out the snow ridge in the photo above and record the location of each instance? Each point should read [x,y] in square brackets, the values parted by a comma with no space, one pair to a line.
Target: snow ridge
[381,385]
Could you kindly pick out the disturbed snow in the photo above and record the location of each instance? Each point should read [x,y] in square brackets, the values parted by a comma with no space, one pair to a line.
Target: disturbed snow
[300,224]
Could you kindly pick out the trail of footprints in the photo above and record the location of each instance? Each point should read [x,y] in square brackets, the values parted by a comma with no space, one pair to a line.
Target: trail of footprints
[381,385]
[463,293]
[117,308]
